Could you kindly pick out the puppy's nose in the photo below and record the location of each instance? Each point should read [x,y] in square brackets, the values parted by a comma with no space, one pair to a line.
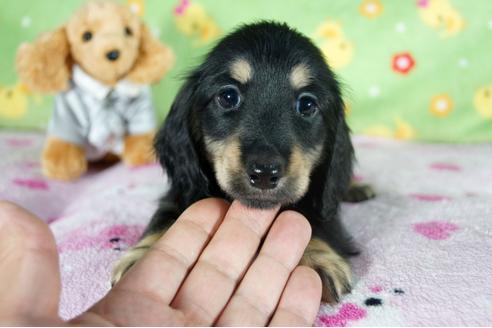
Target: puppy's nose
[265,175]
[113,55]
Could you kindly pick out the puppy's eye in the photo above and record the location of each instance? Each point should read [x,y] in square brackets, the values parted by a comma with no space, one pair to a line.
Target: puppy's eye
[228,97]
[128,31]
[306,105]
[87,36]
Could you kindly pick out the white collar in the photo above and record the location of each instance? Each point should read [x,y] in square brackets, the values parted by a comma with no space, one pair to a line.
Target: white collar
[100,90]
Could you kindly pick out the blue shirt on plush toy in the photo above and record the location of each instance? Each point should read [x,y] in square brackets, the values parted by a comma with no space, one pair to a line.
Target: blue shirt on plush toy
[98,117]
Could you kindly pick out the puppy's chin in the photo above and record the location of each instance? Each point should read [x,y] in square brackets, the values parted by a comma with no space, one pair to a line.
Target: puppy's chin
[262,199]
[258,203]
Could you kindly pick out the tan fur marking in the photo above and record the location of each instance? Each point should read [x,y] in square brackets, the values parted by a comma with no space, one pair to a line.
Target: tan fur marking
[241,71]
[300,76]
[321,257]
[226,158]
[301,165]
[133,255]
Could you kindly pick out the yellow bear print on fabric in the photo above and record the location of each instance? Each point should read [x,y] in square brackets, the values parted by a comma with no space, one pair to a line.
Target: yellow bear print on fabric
[336,48]
[401,130]
[441,16]
[483,101]
[193,21]
[13,101]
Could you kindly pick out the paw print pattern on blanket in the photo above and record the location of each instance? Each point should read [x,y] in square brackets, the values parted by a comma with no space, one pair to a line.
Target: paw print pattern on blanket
[440,166]
[35,184]
[435,230]
[348,312]
[117,237]
[429,197]
[364,308]
[18,142]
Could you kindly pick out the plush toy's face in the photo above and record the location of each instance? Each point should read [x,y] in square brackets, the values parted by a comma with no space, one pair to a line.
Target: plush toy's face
[104,38]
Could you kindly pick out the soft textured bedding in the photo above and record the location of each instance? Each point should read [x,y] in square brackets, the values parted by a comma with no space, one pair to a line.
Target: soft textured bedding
[426,239]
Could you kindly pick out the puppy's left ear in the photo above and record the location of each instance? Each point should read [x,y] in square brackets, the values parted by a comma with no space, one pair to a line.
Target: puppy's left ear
[340,165]
[336,173]
[153,61]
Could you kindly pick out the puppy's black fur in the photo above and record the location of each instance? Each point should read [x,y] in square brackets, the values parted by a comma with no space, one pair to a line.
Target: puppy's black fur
[267,126]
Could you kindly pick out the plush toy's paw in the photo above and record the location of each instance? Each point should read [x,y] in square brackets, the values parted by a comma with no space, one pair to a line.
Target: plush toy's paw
[63,160]
[138,149]
[132,256]
[358,193]
[333,269]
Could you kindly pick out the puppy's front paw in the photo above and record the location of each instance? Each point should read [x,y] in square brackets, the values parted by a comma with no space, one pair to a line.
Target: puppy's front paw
[333,269]
[358,193]
[132,256]
[63,160]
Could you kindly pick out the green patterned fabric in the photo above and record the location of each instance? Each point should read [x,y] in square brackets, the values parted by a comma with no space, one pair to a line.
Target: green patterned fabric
[411,69]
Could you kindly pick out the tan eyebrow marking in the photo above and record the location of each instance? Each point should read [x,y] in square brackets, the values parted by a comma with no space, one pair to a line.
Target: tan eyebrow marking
[300,76]
[241,70]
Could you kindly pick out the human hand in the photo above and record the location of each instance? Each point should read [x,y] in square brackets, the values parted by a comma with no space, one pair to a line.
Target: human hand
[205,270]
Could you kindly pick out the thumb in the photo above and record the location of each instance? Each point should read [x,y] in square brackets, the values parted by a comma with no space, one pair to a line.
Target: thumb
[29,271]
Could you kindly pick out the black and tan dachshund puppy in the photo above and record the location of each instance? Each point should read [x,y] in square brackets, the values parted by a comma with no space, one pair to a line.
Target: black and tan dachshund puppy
[262,121]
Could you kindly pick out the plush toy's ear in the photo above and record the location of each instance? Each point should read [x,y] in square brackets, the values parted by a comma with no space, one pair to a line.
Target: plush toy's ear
[45,64]
[153,61]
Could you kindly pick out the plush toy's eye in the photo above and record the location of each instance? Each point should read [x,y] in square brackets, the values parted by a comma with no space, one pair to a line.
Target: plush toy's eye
[128,31]
[87,36]
[228,97]
[306,105]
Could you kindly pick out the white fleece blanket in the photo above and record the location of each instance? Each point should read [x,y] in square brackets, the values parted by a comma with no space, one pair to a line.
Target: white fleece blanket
[426,238]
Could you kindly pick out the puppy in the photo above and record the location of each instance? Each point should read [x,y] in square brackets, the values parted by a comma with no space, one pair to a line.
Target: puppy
[261,121]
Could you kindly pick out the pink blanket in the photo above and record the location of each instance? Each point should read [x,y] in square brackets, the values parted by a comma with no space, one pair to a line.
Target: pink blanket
[426,238]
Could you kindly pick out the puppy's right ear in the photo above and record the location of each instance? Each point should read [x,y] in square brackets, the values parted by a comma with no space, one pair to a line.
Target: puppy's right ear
[177,150]
[45,64]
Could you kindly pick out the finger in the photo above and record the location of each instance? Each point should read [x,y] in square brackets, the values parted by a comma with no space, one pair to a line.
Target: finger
[158,275]
[257,296]
[29,272]
[223,262]
[300,300]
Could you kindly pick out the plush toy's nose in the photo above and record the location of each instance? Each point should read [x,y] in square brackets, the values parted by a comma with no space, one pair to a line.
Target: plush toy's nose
[113,55]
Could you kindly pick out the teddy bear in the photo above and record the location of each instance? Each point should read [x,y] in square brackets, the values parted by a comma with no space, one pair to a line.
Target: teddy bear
[99,64]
